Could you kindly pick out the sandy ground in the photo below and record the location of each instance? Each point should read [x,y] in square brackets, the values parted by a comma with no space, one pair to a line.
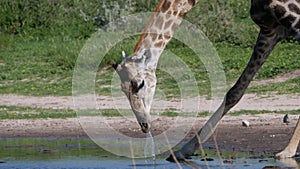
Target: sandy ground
[248,102]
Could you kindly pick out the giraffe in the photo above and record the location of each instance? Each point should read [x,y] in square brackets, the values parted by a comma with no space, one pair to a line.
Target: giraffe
[277,20]
[137,73]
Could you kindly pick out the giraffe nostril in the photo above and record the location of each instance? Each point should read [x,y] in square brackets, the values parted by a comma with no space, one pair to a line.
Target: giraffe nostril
[145,127]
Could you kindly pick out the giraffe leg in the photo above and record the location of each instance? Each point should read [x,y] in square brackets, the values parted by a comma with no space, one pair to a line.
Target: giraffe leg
[266,41]
[291,148]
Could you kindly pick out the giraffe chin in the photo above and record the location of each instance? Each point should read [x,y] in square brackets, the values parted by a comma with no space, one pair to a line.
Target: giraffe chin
[145,127]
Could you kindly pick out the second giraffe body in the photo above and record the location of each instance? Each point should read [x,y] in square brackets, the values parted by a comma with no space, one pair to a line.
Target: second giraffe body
[277,20]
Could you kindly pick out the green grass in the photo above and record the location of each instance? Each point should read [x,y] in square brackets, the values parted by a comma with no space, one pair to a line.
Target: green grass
[170,114]
[45,67]
[284,58]
[290,86]
[13,112]
[37,67]
[38,54]
[253,112]
[28,148]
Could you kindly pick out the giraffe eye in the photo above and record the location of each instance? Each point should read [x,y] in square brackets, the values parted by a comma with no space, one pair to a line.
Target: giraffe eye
[136,86]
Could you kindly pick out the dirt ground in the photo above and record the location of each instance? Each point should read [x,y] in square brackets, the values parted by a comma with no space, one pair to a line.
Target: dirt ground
[266,133]
[270,102]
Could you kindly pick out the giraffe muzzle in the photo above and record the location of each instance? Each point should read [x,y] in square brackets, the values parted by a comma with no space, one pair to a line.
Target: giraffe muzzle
[145,127]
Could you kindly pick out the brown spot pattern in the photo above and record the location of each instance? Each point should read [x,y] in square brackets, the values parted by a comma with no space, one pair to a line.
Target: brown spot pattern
[279,11]
[181,14]
[288,21]
[158,44]
[153,36]
[160,36]
[167,37]
[192,2]
[166,5]
[175,4]
[294,8]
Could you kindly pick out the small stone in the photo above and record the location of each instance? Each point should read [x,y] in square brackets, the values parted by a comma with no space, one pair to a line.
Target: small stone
[245,123]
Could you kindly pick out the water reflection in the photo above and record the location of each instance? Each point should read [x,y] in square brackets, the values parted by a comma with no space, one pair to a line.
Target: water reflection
[70,153]
[290,162]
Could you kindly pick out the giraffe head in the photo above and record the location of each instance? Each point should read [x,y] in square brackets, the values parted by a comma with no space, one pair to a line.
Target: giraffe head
[138,84]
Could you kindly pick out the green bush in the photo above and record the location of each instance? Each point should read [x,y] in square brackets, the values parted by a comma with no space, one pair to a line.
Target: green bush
[31,18]
[41,40]
[225,21]
[77,19]
[220,20]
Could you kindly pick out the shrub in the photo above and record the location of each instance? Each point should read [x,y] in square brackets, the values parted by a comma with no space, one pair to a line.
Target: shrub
[44,18]
[220,20]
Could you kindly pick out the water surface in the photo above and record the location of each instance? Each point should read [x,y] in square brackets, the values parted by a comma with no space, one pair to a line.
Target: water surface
[82,153]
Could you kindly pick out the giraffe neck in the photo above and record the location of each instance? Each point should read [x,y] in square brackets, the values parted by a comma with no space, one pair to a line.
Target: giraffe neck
[161,27]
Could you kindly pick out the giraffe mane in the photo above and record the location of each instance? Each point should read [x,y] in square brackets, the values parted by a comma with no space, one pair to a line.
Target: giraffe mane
[151,20]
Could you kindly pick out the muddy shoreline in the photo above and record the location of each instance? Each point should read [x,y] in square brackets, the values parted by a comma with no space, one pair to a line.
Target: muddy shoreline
[267,134]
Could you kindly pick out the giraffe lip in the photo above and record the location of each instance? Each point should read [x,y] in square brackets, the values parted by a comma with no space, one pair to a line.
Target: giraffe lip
[145,127]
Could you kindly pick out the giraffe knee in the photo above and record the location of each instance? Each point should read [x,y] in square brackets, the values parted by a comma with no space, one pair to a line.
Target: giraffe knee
[232,99]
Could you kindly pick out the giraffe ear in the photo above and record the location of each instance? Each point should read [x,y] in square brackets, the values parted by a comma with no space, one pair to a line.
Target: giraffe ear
[115,65]
[125,57]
